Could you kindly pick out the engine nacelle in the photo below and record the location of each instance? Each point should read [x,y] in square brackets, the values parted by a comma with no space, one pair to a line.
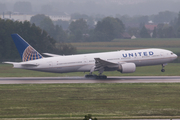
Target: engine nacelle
[127,68]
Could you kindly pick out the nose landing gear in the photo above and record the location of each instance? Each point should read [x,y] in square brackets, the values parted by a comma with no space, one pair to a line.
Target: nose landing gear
[163,65]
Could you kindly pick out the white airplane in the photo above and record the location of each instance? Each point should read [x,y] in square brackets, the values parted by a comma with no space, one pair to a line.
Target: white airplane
[122,61]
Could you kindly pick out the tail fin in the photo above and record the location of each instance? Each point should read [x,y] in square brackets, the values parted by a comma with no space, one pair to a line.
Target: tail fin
[26,51]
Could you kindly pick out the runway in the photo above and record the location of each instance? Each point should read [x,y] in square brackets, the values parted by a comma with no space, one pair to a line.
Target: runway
[110,79]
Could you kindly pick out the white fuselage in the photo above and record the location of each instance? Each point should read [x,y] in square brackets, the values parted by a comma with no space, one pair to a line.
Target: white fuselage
[85,62]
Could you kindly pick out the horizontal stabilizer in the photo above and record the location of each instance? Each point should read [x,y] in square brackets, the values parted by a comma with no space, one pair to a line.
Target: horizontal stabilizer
[16,64]
[10,62]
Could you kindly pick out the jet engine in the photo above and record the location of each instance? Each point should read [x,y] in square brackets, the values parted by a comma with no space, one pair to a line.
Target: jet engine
[127,68]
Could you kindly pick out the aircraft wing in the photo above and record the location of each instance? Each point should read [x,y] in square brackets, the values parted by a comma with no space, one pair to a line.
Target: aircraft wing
[52,55]
[103,64]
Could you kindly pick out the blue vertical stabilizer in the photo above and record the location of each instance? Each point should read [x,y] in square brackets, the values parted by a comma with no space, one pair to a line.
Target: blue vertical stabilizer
[26,51]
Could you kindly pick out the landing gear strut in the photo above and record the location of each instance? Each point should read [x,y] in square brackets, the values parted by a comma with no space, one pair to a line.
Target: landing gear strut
[100,76]
[163,65]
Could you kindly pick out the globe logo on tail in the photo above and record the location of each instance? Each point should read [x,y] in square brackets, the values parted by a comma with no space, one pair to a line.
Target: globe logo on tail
[31,54]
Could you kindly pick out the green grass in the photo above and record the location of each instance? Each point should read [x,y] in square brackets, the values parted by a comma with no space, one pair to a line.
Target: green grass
[73,101]
[172,69]
[128,44]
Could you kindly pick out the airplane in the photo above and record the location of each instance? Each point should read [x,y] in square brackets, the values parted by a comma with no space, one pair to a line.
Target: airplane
[124,61]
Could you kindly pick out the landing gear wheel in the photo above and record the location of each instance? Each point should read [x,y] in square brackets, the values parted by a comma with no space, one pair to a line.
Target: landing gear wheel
[163,70]
[104,77]
[89,76]
[96,77]
[101,77]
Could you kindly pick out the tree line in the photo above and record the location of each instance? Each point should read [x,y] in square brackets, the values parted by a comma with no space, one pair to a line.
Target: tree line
[107,29]
[35,36]
[81,28]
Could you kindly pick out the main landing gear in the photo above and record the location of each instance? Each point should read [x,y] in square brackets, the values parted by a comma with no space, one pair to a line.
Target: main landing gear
[100,76]
[163,65]
[96,76]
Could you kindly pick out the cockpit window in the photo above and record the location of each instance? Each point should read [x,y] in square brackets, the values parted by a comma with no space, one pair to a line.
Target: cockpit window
[172,53]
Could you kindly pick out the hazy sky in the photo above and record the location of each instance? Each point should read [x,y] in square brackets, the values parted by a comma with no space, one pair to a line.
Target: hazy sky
[106,7]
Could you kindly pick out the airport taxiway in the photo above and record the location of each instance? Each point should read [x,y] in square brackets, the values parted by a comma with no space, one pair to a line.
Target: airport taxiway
[110,79]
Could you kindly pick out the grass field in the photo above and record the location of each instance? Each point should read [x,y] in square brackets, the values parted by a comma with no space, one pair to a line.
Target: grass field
[128,44]
[172,69]
[73,101]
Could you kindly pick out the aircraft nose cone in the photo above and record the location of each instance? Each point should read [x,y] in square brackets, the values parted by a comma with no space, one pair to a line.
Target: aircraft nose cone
[175,56]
